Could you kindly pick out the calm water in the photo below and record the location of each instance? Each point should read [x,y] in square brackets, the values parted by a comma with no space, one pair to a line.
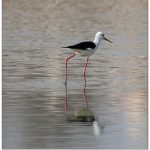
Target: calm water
[34,73]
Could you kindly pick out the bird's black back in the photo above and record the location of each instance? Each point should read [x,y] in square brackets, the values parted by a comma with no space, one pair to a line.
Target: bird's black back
[83,45]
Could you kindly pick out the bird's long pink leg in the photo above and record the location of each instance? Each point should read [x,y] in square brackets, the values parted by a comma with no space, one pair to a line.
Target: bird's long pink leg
[85,98]
[66,61]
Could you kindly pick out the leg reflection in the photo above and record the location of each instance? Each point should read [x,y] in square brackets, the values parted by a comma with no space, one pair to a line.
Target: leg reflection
[84,92]
[66,98]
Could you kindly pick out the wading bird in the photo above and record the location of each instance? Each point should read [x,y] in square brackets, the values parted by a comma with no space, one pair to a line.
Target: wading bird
[87,49]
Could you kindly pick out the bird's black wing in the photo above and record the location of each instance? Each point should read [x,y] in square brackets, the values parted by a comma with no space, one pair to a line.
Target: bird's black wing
[83,45]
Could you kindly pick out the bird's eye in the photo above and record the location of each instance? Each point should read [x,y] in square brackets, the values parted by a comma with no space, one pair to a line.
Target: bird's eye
[102,34]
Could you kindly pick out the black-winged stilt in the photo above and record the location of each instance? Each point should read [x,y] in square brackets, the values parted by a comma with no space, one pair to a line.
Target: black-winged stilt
[86,48]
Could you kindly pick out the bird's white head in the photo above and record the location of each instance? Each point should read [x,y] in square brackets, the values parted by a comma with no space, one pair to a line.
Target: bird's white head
[100,36]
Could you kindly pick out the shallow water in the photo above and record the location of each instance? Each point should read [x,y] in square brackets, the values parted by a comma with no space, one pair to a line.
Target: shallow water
[34,73]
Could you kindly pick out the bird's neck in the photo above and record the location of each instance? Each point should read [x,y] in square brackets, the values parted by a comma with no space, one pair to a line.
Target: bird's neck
[96,41]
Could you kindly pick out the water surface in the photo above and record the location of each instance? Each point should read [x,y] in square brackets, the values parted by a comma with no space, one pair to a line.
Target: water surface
[34,73]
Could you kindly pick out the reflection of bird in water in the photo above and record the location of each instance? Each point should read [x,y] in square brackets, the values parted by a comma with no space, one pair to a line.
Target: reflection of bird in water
[98,128]
[86,48]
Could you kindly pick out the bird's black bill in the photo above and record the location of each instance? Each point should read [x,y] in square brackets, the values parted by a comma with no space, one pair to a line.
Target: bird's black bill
[107,40]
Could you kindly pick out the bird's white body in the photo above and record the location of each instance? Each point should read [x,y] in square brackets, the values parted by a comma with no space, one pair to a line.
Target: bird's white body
[87,52]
